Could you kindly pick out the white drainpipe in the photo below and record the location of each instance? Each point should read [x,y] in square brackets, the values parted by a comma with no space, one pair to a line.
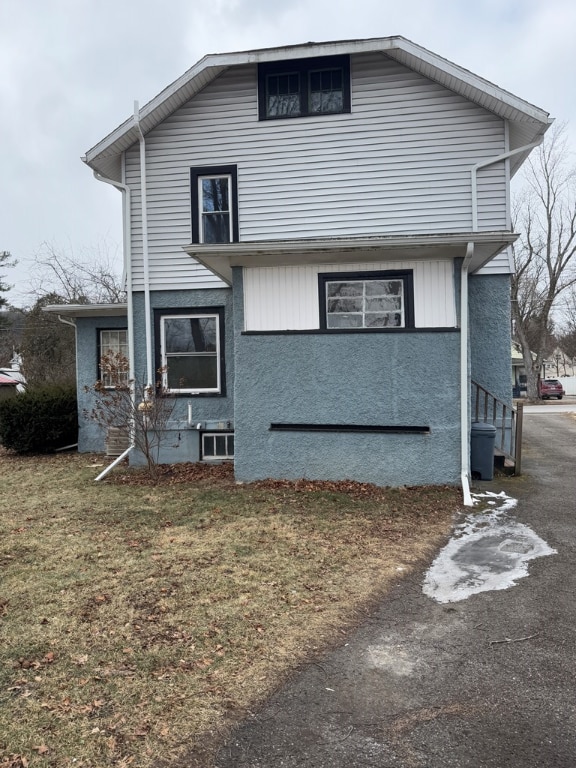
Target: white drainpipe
[464,383]
[464,387]
[145,253]
[127,245]
[475,168]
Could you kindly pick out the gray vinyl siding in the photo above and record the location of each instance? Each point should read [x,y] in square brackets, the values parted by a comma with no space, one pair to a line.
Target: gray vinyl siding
[399,163]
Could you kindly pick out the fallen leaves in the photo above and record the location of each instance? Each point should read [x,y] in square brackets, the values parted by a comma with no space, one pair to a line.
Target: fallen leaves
[163,611]
[23,663]
[14,761]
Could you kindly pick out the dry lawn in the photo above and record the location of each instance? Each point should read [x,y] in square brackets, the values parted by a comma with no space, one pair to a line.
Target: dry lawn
[137,621]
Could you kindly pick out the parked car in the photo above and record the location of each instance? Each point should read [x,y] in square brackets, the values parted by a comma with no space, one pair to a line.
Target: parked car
[550,388]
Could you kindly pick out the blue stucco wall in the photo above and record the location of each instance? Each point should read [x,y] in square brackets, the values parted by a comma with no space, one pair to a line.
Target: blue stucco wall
[375,379]
[490,329]
[90,435]
[408,379]
[181,443]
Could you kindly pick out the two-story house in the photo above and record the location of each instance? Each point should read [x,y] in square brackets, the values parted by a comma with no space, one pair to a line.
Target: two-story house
[316,255]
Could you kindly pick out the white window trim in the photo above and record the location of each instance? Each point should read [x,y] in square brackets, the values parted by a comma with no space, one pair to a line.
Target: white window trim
[104,349]
[363,313]
[202,212]
[165,356]
[217,457]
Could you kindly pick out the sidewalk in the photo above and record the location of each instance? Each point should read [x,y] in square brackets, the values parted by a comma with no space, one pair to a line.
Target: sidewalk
[485,682]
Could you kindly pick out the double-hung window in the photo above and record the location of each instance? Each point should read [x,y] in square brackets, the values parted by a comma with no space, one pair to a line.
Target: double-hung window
[214,204]
[113,356]
[191,352]
[366,300]
[304,87]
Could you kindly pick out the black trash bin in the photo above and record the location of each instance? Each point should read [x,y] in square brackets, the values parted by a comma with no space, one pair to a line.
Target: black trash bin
[482,439]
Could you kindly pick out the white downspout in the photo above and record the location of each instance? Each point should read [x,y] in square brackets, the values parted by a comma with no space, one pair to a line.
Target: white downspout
[145,253]
[474,175]
[464,384]
[464,387]
[127,246]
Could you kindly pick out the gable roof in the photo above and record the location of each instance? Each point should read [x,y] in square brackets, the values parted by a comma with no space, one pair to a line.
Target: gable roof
[527,122]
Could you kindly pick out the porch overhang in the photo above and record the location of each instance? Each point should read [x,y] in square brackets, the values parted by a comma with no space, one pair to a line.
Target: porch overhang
[88,310]
[221,258]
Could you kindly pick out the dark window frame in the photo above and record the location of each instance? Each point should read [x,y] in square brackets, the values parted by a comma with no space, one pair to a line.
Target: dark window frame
[190,312]
[303,68]
[406,275]
[199,172]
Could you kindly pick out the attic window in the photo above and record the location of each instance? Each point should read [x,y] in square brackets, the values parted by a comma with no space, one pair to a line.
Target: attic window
[304,88]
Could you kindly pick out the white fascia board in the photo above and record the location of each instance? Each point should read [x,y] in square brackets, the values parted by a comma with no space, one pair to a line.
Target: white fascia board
[88,310]
[450,75]
[415,56]
[220,259]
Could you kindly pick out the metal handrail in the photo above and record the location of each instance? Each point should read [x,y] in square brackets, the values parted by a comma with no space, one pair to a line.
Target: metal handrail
[488,408]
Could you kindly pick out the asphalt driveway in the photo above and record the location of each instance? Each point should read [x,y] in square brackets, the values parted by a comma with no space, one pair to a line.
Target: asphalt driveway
[486,681]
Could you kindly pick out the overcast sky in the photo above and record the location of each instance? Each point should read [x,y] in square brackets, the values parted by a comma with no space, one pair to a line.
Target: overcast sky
[70,71]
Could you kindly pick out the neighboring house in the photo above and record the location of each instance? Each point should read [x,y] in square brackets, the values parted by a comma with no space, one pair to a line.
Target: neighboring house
[12,380]
[7,386]
[316,254]
[557,365]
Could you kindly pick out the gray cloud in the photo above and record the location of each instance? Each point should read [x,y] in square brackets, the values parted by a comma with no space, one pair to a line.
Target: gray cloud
[72,68]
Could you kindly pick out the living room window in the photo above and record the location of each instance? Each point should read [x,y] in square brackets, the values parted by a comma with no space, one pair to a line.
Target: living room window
[303,88]
[366,300]
[113,357]
[214,204]
[191,351]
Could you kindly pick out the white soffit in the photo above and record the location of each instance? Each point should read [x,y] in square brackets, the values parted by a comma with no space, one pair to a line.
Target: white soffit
[527,122]
[220,259]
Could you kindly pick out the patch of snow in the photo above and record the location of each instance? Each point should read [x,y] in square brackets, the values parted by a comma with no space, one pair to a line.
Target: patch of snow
[488,551]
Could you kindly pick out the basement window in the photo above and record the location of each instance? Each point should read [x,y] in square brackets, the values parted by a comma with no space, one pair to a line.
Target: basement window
[217,446]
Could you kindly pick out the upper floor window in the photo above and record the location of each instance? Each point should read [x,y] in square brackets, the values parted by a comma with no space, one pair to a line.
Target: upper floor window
[214,204]
[366,300]
[113,357]
[305,87]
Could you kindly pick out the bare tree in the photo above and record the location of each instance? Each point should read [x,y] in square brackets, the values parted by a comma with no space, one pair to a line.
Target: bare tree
[567,338]
[91,277]
[138,409]
[6,260]
[544,255]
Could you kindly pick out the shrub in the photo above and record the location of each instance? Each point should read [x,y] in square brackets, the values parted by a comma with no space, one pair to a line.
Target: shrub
[39,420]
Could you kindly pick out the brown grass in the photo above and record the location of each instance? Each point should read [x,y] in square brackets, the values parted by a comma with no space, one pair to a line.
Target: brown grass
[136,622]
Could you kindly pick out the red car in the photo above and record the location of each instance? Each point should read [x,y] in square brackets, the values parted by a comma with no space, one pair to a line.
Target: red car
[550,388]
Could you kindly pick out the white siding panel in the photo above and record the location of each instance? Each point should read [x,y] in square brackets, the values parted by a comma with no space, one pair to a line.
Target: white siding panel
[398,164]
[499,265]
[286,298]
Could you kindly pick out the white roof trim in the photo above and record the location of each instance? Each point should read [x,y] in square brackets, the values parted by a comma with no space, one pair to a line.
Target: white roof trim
[220,259]
[88,310]
[533,121]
